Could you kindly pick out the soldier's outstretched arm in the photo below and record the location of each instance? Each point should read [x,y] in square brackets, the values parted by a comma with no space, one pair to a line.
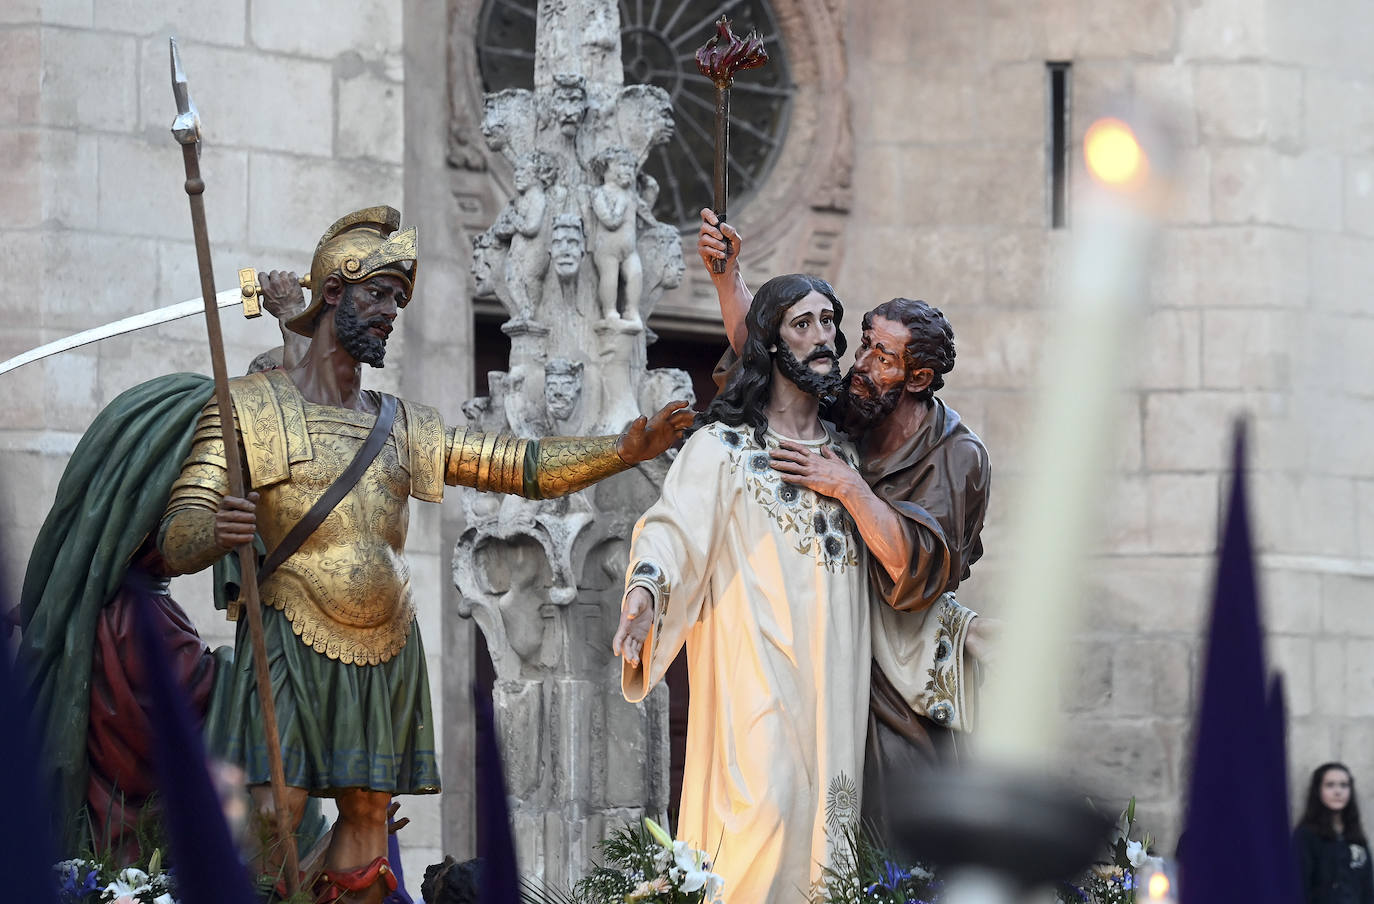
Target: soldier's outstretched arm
[558,465]
[731,291]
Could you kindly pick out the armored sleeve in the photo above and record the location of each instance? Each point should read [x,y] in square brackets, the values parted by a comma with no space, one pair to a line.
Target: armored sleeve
[533,468]
[187,535]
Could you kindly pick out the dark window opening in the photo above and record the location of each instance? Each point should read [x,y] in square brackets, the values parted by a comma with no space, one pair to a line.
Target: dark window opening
[1057,142]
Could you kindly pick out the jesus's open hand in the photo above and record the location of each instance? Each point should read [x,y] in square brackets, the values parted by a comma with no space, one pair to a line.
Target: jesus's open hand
[635,618]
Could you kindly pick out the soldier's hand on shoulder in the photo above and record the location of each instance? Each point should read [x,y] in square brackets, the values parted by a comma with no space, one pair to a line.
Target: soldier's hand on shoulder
[236,521]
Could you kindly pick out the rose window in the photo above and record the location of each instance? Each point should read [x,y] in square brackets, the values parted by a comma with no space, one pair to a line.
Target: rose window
[658,40]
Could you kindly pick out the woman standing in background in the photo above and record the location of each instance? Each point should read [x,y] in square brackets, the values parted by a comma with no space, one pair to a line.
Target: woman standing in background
[1333,853]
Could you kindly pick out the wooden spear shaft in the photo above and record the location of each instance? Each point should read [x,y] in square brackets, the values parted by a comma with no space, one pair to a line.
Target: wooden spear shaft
[248,564]
[721,183]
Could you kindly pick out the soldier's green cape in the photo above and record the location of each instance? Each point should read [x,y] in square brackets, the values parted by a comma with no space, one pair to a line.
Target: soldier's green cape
[109,500]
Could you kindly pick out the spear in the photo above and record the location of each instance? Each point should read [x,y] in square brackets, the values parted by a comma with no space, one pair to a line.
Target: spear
[186,129]
[719,59]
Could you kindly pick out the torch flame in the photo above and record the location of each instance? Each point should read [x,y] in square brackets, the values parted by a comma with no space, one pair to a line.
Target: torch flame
[1158,887]
[725,53]
[1113,154]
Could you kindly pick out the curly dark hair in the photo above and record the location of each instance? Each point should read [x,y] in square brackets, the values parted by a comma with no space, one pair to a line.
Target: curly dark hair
[1318,818]
[932,338]
[744,400]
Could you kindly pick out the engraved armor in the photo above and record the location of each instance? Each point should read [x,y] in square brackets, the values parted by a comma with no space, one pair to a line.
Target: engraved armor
[346,590]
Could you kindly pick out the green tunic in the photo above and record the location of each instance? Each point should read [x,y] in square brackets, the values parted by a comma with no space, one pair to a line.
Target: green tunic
[341,725]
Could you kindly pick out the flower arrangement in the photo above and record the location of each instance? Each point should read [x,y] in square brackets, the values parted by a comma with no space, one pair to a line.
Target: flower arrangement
[862,871]
[84,881]
[1112,882]
[643,864]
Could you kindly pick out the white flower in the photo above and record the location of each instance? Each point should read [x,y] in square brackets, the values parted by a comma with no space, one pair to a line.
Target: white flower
[127,884]
[692,865]
[164,898]
[1135,853]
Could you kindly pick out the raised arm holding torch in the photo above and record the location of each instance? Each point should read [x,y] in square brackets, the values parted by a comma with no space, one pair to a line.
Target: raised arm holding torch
[719,59]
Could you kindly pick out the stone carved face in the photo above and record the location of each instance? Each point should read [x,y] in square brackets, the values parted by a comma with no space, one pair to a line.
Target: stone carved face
[534,169]
[562,387]
[662,255]
[566,247]
[525,178]
[569,103]
[674,267]
[483,261]
[679,386]
[620,170]
[494,127]
[663,125]
[664,385]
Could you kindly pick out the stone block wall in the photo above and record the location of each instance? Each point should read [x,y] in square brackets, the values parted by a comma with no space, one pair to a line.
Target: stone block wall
[1259,305]
[1259,296]
[304,119]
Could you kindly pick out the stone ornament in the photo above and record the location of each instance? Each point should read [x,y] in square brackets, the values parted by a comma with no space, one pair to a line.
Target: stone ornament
[563,389]
[542,578]
[618,266]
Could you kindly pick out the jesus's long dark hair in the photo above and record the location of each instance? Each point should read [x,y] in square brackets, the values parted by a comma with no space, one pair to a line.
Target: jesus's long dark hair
[1317,817]
[744,400]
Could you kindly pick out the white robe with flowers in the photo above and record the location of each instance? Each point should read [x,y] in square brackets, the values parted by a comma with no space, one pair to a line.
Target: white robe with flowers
[765,583]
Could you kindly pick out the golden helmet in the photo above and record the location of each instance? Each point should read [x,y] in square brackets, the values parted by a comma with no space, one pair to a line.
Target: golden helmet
[357,247]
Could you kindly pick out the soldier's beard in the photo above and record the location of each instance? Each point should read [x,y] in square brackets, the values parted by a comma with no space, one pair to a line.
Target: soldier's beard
[858,413]
[354,336]
[824,386]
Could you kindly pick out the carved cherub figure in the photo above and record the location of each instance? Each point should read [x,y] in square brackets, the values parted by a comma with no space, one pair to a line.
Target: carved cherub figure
[615,204]
[528,260]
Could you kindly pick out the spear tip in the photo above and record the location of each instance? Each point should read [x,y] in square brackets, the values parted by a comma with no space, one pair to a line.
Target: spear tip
[186,128]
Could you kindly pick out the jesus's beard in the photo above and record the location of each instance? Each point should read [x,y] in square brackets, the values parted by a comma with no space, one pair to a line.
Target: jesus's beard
[824,387]
[859,413]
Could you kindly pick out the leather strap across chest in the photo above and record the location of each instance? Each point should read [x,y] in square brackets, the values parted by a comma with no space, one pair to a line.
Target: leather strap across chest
[372,446]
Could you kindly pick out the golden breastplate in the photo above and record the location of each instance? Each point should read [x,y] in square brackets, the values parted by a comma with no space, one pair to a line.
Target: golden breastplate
[347,589]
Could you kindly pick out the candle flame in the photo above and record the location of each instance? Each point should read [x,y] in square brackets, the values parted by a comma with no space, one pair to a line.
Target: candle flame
[1113,153]
[1158,887]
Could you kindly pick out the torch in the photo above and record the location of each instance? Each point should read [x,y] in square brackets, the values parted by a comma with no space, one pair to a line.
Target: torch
[719,59]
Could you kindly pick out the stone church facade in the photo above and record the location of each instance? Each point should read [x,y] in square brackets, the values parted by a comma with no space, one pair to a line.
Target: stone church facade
[915,159]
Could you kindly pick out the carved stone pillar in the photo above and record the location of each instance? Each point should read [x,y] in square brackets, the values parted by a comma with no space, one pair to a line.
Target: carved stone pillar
[578,262]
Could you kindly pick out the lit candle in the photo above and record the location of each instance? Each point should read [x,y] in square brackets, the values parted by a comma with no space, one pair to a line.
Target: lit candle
[1090,331]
